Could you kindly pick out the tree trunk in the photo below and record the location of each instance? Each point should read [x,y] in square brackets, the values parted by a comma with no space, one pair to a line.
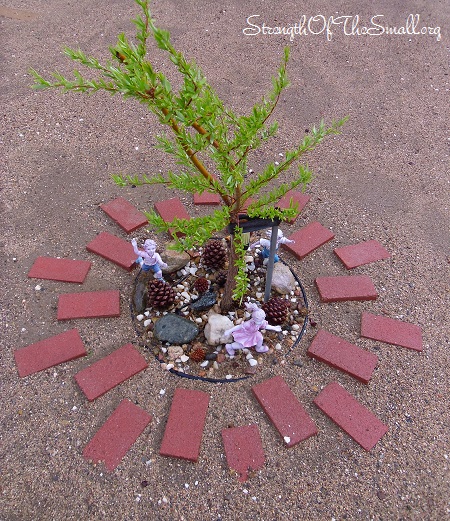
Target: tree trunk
[227,299]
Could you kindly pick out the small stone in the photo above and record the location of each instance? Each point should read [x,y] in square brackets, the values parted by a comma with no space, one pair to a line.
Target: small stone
[229,376]
[298,363]
[162,392]
[140,317]
[205,363]
[211,356]
[169,367]
[206,301]
[283,281]
[278,347]
[259,295]
[186,295]
[287,439]
[184,358]
[148,322]
[175,352]
[215,329]
[38,287]
[253,362]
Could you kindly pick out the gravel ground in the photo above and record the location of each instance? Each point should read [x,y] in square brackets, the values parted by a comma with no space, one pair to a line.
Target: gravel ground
[386,178]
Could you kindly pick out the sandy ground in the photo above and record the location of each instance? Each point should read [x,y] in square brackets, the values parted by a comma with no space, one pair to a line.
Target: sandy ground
[386,178]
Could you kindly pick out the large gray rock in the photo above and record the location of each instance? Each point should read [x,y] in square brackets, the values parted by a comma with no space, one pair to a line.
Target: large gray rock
[215,329]
[175,329]
[175,260]
[283,281]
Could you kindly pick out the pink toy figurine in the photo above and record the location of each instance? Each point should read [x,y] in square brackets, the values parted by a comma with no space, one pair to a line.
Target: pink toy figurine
[148,259]
[248,333]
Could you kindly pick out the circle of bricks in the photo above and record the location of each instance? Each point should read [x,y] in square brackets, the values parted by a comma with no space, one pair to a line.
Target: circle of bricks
[222,380]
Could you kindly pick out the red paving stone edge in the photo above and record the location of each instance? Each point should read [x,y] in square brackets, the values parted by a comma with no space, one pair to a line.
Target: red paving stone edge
[362,253]
[346,287]
[124,214]
[308,239]
[243,450]
[391,331]
[89,304]
[113,249]
[284,410]
[49,352]
[184,429]
[343,355]
[64,270]
[351,416]
[116,436]
[112,370]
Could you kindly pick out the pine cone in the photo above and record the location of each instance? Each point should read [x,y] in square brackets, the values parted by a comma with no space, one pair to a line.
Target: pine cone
[214,255]
[276,310]
[197,355]
[201,284]
[160,294]
[221,278]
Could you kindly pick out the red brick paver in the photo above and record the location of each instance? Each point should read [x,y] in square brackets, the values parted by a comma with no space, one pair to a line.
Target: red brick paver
[298,197]
[351,416]
[184,428]
[114,249]
[284,410]
[170,209]
[117,435]
[343,355]
[49,352]
[64,270]
[124,214]
[308,239]
[112,370]
[363,253]
[346,287]
[243,449]
[207,198]
[89,304]
[391,331]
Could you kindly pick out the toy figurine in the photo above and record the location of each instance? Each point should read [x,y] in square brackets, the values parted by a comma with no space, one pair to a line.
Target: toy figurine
[148,259]
[265,244]
[248,334]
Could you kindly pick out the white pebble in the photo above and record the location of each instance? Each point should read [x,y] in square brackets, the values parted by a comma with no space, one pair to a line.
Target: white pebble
[169,367]
[287,439]
[184,358]
[253,362]
[229,376]
[147,313]
[204,364]
[193,271]
[249,356]
[198,320]
[162,392]
[278,347]
[38,287]
[259,295]
[215,365]
[296,327]
[180,287]
[164,349]
[147,322]
[186,295]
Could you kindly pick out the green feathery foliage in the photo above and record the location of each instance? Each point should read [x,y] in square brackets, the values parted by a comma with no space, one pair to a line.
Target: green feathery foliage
[198,125]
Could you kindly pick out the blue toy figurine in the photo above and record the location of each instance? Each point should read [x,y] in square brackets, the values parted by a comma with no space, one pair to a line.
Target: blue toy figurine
[265,244]
[148,259]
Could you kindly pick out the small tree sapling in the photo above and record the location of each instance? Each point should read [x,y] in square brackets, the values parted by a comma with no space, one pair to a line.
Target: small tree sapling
[200,125]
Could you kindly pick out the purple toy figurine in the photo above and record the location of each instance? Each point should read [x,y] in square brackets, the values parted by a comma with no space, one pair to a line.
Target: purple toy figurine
[248,333]
[148,259]
[265,244]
